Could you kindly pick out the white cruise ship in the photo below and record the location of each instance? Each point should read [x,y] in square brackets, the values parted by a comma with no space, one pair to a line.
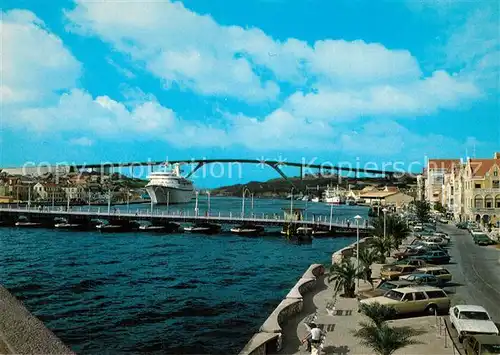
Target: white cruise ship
[169,187]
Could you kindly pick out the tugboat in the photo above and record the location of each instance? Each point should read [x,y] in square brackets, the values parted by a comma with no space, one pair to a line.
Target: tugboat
[247,229]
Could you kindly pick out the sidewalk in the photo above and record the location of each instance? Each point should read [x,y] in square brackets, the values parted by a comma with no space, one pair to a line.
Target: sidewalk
[345,318]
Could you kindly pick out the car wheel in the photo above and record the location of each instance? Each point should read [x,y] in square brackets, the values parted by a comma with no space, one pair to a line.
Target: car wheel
[431,309]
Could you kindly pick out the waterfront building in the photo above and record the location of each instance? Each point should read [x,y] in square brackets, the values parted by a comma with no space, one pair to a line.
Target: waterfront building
[386,198]
[434,174]
[48,192]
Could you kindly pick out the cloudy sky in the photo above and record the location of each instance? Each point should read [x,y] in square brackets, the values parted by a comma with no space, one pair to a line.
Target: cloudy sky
[352,80]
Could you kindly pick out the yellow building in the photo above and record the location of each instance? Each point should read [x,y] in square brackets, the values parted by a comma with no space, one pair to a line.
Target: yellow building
[481,190]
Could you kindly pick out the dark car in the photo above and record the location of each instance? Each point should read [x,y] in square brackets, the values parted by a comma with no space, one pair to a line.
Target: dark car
[482,239]
[436,257]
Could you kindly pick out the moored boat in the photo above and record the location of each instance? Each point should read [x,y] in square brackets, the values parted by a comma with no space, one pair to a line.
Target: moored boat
[203,228]
[248,229]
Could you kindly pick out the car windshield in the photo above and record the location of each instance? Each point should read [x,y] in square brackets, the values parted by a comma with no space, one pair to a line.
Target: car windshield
[491,348]
[387,286]
[394,295]
[474,315]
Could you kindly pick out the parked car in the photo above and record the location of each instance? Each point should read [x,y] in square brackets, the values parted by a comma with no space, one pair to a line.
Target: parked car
[462,225]
[394,272]
[422,279]
[482,345]
[440,272]
[414,261]
[410,252]
[442,235]
[443,220]
[469,319]
[414,299]
[482,239]
[431,240]
[436,257]
[383,287]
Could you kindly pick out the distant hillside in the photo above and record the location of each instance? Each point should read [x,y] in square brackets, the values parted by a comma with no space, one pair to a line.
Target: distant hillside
[309,185]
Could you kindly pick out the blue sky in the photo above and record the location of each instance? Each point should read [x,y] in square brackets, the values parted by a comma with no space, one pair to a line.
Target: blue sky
[368,81]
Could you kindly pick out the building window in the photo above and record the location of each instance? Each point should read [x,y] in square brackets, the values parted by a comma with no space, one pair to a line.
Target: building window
[477,186]
[495,172]
[496,184]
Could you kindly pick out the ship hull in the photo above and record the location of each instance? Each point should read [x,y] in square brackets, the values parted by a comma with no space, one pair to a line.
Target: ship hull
[161,195]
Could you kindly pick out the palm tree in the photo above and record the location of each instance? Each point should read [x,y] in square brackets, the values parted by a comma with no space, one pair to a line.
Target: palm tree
[385,340]
[344,274]
[395,227]
[378,313]
[367,256]
[383,246]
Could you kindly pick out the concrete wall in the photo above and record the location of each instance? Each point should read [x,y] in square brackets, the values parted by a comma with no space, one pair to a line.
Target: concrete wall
[269,339]
[22,333]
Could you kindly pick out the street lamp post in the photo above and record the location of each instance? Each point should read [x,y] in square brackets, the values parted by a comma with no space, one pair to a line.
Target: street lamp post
[109,201]
[357,218]
[128,200]
[291,202]
[168,200]
[331,215]
[251,195]
[208,202]
[245,190]
[385,213]
[196,204]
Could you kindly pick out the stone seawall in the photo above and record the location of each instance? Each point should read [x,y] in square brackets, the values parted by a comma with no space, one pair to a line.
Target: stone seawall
[23,333]
[269,338]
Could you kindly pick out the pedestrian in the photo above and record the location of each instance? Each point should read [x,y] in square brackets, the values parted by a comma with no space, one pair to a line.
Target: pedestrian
[348,223]
[314,337]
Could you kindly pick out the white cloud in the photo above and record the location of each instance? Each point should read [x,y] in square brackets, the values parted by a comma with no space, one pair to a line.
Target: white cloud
[197,53]
[82,141]
[416,98]
[35,63]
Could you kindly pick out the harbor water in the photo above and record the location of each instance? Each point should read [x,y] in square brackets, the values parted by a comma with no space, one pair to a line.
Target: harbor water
[160,294]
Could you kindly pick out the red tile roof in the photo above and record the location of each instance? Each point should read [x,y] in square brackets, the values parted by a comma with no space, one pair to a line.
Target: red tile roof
[479,167]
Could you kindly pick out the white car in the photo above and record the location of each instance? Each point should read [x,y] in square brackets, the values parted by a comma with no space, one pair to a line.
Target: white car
[469,319]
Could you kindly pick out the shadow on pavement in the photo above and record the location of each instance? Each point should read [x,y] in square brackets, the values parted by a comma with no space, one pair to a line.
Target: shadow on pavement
[336,350]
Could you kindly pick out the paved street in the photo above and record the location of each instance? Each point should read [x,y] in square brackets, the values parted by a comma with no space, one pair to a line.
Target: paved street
[477,268]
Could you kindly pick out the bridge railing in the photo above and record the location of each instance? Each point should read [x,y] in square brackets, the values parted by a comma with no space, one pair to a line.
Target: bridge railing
[179,214]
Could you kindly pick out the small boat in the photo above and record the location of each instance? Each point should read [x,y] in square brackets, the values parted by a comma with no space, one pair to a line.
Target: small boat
[203,228]
[169,227]
[304,230]
[115,227]
[24,222]
[28,224]
[151,228]
[321,233]
[315,199]
[69,226]
[306,198]
[247,229]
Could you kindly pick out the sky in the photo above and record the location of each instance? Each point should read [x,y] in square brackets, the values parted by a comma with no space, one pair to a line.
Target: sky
[291,80]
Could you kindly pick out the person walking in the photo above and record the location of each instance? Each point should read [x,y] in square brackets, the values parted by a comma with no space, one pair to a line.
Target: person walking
[313,338]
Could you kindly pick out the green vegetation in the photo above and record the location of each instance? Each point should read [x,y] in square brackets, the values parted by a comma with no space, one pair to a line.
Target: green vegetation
[439,207]
[382,246]
[422,210]
[395,227]
[378,335]
[344,275]
[367,257]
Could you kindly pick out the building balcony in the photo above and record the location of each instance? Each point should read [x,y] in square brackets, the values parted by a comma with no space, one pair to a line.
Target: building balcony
[488,191]
[485,210]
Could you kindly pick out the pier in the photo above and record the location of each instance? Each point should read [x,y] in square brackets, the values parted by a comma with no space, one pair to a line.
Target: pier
[10,215]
